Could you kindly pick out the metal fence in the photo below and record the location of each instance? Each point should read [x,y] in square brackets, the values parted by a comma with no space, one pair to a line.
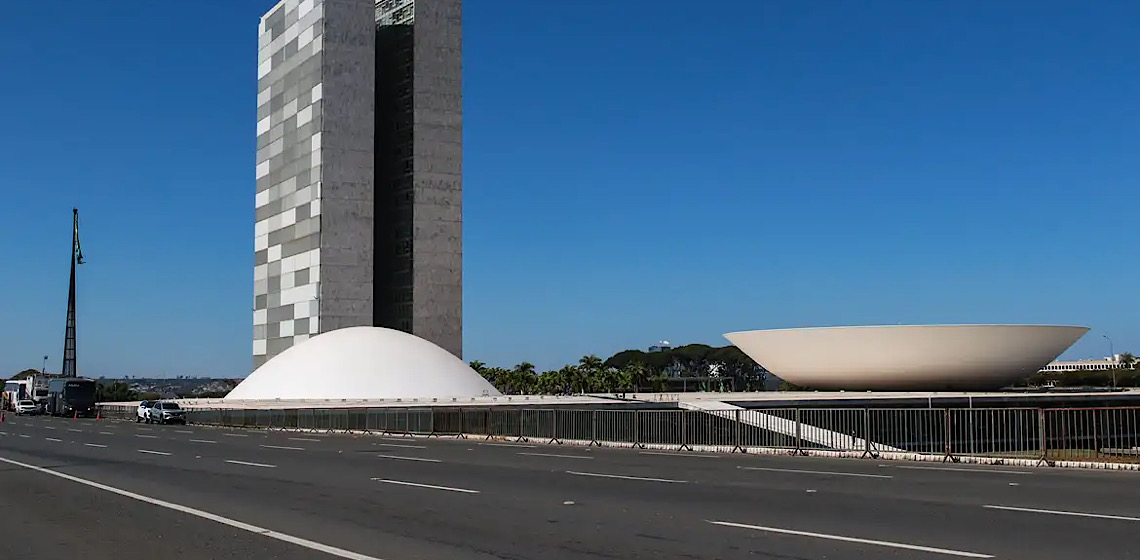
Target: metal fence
[1046,435]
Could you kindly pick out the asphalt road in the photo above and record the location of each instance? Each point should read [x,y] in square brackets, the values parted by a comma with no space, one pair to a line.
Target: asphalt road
[106,490]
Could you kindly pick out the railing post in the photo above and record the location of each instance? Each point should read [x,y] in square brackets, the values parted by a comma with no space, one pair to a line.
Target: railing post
[522,416]
[799,450]
[684,431]
[594,429]
[946,437]
[739,443]
[1042,438]
[554,431]
[867,448]
[637,430]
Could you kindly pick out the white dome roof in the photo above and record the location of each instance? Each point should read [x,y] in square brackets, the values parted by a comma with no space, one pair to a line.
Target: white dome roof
[907,357]
[363,363]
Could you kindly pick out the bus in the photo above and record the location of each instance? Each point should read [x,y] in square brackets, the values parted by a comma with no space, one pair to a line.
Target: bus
[69,396]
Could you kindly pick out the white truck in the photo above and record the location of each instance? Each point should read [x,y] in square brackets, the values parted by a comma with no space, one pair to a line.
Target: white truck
[38,387]
[16,391]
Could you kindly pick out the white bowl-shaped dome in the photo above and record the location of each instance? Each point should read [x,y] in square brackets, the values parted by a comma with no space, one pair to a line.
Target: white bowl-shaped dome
[907,358]
[363,363]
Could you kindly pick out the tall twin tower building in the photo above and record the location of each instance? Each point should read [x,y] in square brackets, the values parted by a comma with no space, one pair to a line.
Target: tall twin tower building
[359,171]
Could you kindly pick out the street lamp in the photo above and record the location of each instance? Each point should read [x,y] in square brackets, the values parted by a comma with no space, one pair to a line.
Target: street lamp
[1111,356]
[44,369]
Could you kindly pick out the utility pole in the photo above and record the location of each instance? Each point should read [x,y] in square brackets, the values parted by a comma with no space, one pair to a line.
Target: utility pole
[69,368]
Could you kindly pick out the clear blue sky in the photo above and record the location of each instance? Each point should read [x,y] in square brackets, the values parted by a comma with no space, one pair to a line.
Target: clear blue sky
[634,171]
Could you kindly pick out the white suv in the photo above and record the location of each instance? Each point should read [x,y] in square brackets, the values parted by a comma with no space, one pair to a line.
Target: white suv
[143,413]
[27,407]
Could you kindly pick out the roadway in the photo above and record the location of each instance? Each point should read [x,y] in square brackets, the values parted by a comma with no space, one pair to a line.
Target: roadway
[105,488]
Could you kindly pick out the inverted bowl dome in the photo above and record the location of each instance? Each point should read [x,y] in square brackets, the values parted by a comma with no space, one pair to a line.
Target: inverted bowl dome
[363,363]
[907,358]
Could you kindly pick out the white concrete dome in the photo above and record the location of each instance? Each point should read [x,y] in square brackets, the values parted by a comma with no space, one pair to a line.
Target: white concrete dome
[363,363]
[907,357]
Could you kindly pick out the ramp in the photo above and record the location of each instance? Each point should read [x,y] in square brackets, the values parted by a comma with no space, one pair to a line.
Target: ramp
[820,436]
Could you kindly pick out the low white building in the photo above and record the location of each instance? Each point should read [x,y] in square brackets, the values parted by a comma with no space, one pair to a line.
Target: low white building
[1103,364]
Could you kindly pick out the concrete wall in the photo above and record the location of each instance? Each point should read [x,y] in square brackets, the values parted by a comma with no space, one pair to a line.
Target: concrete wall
[347,173]
[437,246]
[314,171]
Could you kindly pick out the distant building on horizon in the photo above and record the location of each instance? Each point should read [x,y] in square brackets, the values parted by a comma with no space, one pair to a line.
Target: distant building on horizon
[1104,364]
[358,217]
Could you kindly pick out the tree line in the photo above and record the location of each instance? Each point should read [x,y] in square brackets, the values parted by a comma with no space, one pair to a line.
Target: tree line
[699,366]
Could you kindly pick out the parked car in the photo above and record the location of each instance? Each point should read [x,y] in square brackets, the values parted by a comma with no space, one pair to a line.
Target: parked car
[142,415]
[27,407]
[165,412]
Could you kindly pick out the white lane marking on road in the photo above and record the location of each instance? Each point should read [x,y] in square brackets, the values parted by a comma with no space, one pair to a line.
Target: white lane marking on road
[555,455]
[432,486]
[1069,513]
[402,458]
[236,435]
[144,429]
[509,445]
[52,439]
[667,454]
[46,427]
[953,469]
[283,447]
[94,445]
[25,435]
[888,544]
[397,438]
[183,431]
[163,453]
[311,545]
[74,430]
[106,433]
[624,477]
[800,471]
[203,441]
[403,446]
[304,439]
[248,464]
[146,436]
[3,433]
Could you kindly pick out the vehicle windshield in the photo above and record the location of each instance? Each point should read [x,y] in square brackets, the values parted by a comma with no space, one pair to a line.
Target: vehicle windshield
[170,406]
[79,392]
[27,403]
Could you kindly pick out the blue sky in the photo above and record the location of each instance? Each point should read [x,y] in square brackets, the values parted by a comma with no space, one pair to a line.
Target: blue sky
[634,171]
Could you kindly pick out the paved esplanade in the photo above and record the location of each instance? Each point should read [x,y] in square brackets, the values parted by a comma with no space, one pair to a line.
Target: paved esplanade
[108,490]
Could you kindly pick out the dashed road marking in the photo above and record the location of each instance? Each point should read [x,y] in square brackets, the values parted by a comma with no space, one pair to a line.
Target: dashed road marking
[888,544]
[1067,513]
[555,455]
[402,458]
[248,464]
[801,471]
[431,486]
[626,477]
